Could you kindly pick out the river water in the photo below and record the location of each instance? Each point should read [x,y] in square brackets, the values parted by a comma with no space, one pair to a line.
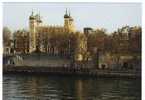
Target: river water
[45,87]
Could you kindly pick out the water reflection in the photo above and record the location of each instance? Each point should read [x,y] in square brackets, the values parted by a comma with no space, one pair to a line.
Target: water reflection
[29,87]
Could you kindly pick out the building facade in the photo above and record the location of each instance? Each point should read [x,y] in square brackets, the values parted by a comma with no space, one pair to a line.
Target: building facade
[46,39]
[37,29]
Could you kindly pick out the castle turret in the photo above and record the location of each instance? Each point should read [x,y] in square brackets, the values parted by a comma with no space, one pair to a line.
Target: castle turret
[34,22]
[32,35]
[38,18]
[66,21]
[71,23]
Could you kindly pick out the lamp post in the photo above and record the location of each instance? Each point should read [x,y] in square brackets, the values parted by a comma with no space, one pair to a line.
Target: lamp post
[96,57]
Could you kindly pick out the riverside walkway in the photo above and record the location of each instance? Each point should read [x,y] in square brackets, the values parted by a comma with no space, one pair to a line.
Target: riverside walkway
[71,71]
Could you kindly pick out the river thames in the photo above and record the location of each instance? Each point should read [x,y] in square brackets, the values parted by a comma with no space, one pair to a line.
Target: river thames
[45,87]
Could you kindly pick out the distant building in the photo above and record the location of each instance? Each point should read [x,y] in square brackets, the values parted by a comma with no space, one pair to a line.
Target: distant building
[135,39]
[87,31]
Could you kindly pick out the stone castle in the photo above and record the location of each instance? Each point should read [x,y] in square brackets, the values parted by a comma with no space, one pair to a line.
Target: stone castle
[37,29]
[36,26]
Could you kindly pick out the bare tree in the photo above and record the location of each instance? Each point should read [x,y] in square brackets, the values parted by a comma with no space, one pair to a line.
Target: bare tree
[6,36]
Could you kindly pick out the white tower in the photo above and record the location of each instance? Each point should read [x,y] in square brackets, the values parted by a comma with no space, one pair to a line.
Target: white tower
[66,21]
[69,22]
[32,34]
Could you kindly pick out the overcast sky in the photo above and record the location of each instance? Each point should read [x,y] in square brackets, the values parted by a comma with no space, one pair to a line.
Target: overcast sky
[96,15]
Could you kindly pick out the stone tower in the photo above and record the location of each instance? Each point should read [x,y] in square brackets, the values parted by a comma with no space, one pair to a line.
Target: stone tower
[69,22]
[34,22]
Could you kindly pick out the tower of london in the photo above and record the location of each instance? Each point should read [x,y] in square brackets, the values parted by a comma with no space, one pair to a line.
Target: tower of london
[37,29]
[41,35]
